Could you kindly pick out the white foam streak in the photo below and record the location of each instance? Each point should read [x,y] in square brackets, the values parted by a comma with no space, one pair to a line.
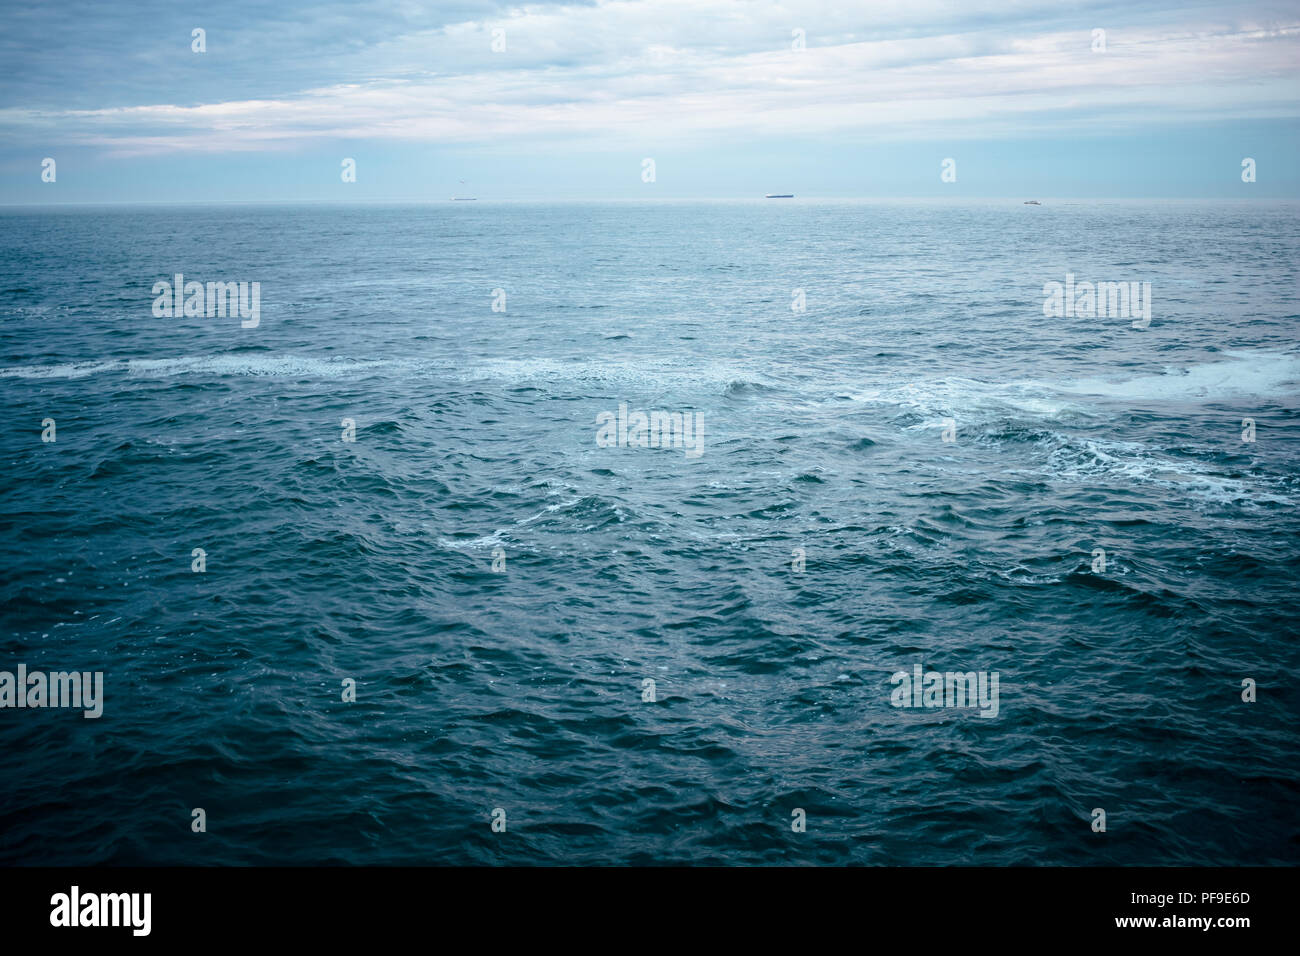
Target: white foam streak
[1259,374]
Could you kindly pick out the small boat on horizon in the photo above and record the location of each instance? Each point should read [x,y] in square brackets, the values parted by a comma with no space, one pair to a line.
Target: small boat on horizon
[779,196]
[1032,202]
[464,199]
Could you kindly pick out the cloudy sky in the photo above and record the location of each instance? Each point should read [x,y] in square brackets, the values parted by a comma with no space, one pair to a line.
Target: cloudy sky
[713,90]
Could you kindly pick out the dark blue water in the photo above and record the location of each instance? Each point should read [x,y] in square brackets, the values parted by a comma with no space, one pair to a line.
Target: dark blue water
[522,688]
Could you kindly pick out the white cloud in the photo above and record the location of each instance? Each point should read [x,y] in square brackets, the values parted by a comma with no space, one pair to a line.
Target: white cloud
[672,69]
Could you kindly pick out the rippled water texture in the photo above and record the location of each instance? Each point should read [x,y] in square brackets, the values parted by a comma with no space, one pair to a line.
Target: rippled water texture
[822,430]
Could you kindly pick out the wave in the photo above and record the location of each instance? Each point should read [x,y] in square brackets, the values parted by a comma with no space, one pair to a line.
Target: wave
[276,366]
[1121,463]
[1261,374]
[71,370]
[714,378]
[624,374]
[1253,374]
[971,400]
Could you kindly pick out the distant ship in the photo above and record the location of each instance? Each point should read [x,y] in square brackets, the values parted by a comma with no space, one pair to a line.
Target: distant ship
[464,199]
[1032,202]
[779,196]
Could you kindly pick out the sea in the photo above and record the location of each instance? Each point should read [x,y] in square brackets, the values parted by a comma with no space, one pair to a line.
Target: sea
[615,533]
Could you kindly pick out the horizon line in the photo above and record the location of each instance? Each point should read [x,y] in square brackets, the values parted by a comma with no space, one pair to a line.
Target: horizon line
[623,199]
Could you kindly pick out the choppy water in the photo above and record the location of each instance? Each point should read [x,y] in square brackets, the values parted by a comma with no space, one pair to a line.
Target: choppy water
[475,431]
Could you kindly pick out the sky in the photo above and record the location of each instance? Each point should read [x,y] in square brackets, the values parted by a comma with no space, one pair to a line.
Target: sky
[729,98]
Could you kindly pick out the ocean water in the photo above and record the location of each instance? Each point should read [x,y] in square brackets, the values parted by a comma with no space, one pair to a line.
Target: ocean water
[522,688]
